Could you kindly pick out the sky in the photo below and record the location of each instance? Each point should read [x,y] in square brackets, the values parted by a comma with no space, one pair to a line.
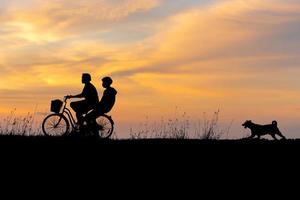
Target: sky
[165,56]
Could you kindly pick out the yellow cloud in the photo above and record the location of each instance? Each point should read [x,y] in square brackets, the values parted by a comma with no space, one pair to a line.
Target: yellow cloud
[52,20]
[225,55]
[221,29]
[28,32]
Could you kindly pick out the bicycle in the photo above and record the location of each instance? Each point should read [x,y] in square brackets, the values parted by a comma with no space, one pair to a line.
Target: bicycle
[58,123]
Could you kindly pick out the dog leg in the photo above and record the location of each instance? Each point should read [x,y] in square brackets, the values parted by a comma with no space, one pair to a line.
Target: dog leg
[258,137]
[273,136]
[251,137]
[281,135]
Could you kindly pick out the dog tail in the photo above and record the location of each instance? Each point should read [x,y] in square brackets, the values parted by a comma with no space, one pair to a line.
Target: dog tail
[274,123]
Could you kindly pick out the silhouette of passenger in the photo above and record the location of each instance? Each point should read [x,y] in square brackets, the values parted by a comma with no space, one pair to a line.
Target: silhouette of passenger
[107,101]
[90,96]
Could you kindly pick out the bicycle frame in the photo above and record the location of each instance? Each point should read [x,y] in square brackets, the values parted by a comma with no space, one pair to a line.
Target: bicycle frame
[67,112]
[104,127]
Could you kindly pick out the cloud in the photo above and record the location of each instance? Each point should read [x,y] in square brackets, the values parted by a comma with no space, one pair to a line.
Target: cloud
[242,29]
[228,53]
[222,38]
[230,30]
[46,21]
[51,40]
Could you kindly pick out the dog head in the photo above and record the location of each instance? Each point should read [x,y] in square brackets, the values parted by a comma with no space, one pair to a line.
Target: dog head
[247,124]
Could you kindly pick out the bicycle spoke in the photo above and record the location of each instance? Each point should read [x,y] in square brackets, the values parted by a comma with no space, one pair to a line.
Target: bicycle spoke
[104,124]
[55,125]
[104,128]
[54,121]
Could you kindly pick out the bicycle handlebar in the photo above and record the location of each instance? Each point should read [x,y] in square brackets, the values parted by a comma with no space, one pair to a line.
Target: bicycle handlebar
[65,99]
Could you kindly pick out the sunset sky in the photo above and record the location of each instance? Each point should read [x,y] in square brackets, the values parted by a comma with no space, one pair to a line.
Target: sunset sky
[239,56]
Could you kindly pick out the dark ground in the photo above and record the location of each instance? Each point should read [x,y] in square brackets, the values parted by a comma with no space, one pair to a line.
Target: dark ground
[176,147]
[215,153]
[75,141]
[222,163]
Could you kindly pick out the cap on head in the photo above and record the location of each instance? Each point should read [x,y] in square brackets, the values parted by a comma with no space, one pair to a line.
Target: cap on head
[107,80]
[86,77]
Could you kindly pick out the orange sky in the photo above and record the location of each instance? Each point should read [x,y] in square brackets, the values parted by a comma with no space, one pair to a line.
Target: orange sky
[241,56]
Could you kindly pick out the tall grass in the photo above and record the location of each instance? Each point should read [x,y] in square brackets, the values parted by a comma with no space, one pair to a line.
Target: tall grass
[182,127]
[210,129]
[20,125]
[177,128]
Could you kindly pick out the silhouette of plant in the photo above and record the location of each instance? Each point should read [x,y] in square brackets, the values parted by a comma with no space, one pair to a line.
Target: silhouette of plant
[210,130]
[180,128]
[20,125]
[173,128]
[177,127]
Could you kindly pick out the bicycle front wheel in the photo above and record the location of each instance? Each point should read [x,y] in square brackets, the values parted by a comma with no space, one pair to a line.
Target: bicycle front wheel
[55,125]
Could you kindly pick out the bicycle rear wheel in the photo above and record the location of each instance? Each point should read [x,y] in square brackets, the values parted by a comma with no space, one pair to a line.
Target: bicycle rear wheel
[55,125]
[105,126]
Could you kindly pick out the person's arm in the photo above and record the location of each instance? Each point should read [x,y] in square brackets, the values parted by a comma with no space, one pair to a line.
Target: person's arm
[76,96]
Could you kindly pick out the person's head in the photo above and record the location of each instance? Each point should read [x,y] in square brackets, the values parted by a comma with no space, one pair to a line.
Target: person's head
[106,82]
[86,78]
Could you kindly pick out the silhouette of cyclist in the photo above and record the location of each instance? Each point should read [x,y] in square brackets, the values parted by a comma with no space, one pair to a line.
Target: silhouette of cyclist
[90,96]
[107,101]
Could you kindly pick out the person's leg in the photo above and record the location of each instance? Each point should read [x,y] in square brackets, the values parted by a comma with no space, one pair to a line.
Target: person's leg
[79,107]
[73,106]
[91,117]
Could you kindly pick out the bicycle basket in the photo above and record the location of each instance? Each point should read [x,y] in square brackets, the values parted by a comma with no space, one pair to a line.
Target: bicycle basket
[56,106]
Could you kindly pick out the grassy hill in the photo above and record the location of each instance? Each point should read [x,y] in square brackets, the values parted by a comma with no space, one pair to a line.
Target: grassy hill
[176,145]
[161,155]
[5,139]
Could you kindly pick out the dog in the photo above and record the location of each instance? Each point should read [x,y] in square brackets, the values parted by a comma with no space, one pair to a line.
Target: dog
[260,130]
